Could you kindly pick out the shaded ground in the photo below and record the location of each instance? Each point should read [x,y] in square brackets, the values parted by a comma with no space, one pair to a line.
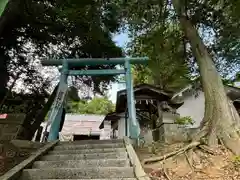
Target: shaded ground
[14,152]
[221,165]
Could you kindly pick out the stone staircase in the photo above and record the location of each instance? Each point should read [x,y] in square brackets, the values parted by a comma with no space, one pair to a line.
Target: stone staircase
[89,159]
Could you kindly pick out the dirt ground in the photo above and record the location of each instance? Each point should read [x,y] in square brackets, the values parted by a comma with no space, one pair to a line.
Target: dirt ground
[14,152]
[222,165]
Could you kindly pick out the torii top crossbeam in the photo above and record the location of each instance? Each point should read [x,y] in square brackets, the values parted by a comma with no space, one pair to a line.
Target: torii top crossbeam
[94,61]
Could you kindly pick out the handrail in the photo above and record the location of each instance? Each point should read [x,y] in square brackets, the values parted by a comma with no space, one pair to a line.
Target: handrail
[138,169]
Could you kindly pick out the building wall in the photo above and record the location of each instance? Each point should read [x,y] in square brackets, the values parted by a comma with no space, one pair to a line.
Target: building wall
[121,128]
[83,125]
[193,107]
[147,135]
[106,131]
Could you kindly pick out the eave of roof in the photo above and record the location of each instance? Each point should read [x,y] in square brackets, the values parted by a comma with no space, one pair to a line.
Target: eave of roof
[114,116]
[232,91]
[143,92]
[145,86]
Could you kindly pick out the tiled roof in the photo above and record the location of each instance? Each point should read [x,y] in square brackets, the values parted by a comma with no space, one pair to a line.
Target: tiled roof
[84,117]
[81,124]
[81,127]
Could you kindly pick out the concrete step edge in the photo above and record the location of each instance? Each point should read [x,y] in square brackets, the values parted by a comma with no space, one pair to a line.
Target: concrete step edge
[105,141]
[84,168]
[103,150]
[90,146]
[87,153]
[78,173]
[55,157]
[93,160]
[82,163]
[96,179]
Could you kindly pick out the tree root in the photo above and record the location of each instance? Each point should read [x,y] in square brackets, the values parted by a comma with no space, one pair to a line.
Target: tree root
[166,175]
[165,172]
[207,149]
[179,151]
[188,160]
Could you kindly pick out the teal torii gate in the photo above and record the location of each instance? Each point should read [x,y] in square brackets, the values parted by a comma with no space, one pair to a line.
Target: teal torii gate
[67,64]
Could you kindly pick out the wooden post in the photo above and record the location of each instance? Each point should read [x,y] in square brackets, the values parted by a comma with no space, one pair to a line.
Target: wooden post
[39,133]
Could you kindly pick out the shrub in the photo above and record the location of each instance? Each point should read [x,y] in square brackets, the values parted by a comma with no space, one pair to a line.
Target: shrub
[186,120]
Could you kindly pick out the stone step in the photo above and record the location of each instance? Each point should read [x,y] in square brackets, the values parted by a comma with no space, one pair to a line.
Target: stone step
[68,146]
[82,163]
[107,141]
[96,179]
[78,173]
[59,157]
[81,151]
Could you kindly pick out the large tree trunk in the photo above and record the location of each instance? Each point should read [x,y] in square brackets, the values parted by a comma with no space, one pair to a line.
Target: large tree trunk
[218,120]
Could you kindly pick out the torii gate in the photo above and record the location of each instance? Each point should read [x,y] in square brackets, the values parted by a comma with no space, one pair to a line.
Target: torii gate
[67,64]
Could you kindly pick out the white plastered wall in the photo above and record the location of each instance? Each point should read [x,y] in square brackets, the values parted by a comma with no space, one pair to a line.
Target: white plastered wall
[106,131]
[121,126]
[193,107]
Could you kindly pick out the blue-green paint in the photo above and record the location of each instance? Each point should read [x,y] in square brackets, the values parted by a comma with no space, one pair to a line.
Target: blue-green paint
[133,125]
[54,130]
[121,82]
[57,107]
[95,61]
[97,72]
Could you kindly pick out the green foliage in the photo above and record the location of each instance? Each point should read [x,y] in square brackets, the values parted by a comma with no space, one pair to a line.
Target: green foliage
[167,67]
[187,120]
[236,161]
[216,21]
[3,4]
[141,74]
[98,105]
[32,30]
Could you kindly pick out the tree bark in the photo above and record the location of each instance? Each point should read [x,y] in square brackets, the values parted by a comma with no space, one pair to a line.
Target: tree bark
[218,118]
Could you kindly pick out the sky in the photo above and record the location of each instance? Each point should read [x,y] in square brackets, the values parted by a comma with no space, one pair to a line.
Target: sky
[121,40]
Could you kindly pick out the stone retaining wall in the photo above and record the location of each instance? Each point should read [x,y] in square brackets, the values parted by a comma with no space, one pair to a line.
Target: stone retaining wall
[169,131]
[172,133]
[11,126]
[15,151]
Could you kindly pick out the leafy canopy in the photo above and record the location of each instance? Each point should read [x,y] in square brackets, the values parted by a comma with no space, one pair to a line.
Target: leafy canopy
[216,21]
[98,105]
[167,67]
[31,30]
